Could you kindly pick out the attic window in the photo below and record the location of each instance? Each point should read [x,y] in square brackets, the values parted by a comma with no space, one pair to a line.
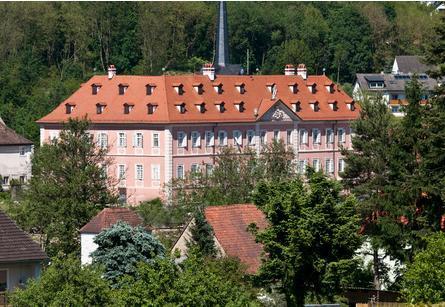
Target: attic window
[351,105]
[69,108]
[333,105]
[123,88]
[149,88]
[240,106]
[220,106]
[201,107]
[151,108]
[181,108]
[95,88]
[198,88]
[315,106]
[376,84]
[218,87]
[329,87]
[270,86]
[240,87]
[296,107]
[312,87]
[179,88]
[100,108]
[293,87]
[128,108]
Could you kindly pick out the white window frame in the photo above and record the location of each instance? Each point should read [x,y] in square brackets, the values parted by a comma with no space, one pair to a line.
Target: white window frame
[316,136]
[302,166]
[22,151]
[237,138]
[180,175]
[182,139]
[102,140]
[341,135]
[155,172]
[276,135]
[156,140]
[196,139]
[316,164]
[329,136]
[304,137]
[209,138]
[341,165]
[289,135]
[121,141]
[329,166]
[138,140]
[263,137]
[194,168]
[121,175]
[139,172]
[209,169]
[224,139]
[251,137]
[5,180]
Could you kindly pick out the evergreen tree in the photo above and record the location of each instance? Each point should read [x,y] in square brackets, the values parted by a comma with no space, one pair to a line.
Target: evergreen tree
[202,236]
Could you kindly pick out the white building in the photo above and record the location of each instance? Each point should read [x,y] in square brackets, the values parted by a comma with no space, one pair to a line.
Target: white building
[15,156]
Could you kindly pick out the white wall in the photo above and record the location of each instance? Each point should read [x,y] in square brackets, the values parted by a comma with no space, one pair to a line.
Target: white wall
[12,164]
[19,273]
[87,247]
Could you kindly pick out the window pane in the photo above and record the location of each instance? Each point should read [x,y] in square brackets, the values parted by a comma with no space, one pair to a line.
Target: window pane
[3,280]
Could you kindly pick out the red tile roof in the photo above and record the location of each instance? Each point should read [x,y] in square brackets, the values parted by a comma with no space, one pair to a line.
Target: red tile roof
[230,224]
[166,97]
[15,244]
[110,216]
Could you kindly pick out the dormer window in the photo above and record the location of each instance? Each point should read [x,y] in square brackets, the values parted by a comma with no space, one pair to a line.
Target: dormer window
[315,106]
[149,88]
[351,105]
[95,88]
[296,106]
[270,87]
[329,87]
[128,107]
[151,108]
[376,84]
[218,87]
[312,87]
[220,106]
[201,107]
[240,106]
[123,87]
[240,87]
[293,87]
[179,88]
[333,105]
[198,88]
[100,107]
[69,108]
[181,108]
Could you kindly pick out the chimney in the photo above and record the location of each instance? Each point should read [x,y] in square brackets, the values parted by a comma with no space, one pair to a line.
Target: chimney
[208,70]
[111,71]
[302,71]
[289,70]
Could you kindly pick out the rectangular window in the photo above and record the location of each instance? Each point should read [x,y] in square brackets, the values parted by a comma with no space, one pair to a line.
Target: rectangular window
[122,140]
[263,137]
[22,179]
[276,135]
[316,164]
[22,150]
[102,140]
[316,137]
[341,135]
[121,172]
[329,136]
[196,139]
[302,166]
[180,172]
[195,168]
[210,139]
[156,140]
[329,166]
[222,138]
[3,280]
[250,137]
[155,172]
[182,139]
[5,180]
[209,169]
[237,138]
[289,137]
[303,136]
[341,165]
[139,172]
[138,141]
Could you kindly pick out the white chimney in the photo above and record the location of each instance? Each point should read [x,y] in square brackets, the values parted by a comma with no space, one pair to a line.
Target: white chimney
[302,71]
[289,70]
[208,70]
[111,71]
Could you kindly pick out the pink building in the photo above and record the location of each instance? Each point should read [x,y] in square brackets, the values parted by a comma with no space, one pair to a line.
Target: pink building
[160,127]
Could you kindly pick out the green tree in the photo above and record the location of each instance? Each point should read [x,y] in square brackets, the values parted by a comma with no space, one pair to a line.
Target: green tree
[312,228]
[65,283]
[67,188]
[202,236]
[121,247]
[424,279]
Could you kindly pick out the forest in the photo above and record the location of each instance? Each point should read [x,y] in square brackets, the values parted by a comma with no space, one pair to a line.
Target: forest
[48,49]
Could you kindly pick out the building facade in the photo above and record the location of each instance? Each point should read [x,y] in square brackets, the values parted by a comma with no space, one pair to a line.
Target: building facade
[160,127]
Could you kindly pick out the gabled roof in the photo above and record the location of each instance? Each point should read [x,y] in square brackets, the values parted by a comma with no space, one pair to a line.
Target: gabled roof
[230,225]
[15,244]
[10,137]
[412,64]
[166,97]
[110,216]
[393,83]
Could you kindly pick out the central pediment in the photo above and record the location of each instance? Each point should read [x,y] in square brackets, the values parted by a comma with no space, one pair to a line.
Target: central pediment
[276,111]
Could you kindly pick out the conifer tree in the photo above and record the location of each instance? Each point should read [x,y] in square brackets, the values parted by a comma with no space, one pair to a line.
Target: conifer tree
[202,236]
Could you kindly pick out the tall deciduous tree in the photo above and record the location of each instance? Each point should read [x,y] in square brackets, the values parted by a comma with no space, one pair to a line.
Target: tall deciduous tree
[312,230]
